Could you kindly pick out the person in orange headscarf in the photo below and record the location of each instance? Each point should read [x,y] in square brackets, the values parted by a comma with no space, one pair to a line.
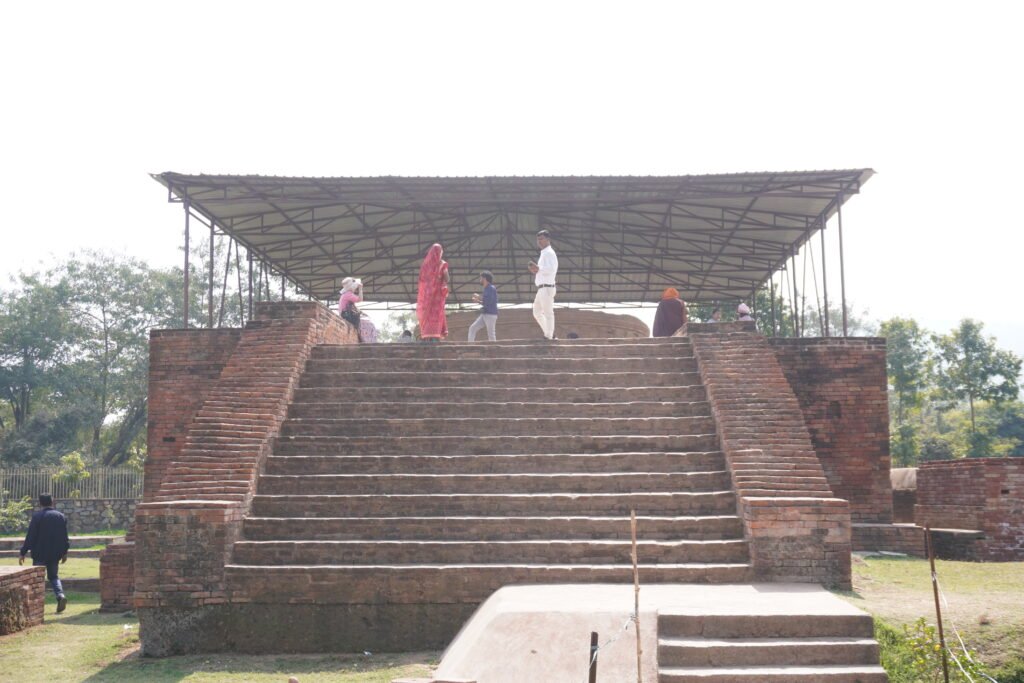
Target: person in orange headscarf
[431,295]
[671,314]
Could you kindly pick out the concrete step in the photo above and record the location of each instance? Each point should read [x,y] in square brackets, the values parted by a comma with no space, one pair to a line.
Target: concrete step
[466,583]
[341,393]
[485,445]
[495,504]
[724,652]
[581,348]
[445,409]
[379,378]
[741,625]
[574,482]
[714,527]
[547,551]
[770,674]
[489,426]
[14,542]
[489,364]
[505,463]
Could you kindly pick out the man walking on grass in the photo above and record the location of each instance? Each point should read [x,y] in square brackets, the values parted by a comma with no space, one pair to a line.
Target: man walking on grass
[544,272]
[47,539]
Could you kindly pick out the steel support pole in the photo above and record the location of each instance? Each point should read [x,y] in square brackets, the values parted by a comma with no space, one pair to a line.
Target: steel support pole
[796,293]
[771,280]
[842,264]
[824,278]
[249,256]
[210,304]
[185,307]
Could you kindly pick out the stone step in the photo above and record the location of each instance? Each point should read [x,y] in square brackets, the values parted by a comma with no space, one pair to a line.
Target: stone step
[722,652]
[488,364]
[495,504]
[674,625]
[14,542]
[581,348]
[717,527]
[770,674]
[547,551]
[458,583]
[445,409]
[489,426]
[505,463]
[485,445]
[562,482]
[341,393]
[379,378]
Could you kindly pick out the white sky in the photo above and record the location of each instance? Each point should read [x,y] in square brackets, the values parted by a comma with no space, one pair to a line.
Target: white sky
[94,96]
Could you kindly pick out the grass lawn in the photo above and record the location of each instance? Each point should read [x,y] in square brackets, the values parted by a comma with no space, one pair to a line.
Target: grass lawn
[84,645]
[985,600]
[104,532]
[74,568]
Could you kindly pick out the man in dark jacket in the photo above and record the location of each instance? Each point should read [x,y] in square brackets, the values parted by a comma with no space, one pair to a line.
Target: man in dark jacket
[47,539]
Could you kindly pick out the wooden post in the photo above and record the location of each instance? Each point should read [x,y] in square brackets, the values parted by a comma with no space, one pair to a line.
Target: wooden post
[938,609]
[592,662]
[636,596]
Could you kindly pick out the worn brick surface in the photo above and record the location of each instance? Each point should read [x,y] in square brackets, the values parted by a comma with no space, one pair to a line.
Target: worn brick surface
[22,593]
[983,494]
[841,386]
[796,528]
[117,576]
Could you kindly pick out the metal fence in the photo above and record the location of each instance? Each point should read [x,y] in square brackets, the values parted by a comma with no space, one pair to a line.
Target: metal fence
[103,482]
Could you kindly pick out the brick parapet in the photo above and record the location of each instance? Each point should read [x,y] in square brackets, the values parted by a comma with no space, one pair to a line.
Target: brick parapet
[185,528]
[985,494]
[841,386]
[22,595]
[805,534]
[117,576]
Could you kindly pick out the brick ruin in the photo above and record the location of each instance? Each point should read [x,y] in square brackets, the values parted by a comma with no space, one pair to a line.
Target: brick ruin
[273,521]
[22,594]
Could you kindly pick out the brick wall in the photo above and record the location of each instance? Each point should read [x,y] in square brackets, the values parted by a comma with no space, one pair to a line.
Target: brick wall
[895,538]
[985,494]
[22,593]
[797,529]
[841,386]
[117,576]
[185,528]
[183,366]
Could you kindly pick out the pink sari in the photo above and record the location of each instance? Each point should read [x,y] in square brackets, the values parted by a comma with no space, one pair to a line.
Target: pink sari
[431,295]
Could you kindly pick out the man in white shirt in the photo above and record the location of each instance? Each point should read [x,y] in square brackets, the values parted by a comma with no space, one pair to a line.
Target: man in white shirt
[544,272]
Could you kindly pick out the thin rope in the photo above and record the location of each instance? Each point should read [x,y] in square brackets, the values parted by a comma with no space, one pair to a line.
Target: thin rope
[625,627]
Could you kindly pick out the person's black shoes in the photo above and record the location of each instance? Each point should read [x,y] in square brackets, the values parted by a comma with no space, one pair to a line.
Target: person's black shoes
[62,603]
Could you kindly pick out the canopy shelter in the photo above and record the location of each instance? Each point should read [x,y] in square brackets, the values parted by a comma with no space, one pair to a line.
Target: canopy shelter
[618,238]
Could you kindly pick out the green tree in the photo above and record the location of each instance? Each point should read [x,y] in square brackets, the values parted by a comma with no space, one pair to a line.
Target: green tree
[972,368]
[907,354]
[34,340]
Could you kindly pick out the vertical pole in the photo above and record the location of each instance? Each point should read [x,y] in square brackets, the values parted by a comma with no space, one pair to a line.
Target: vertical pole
[209,306]
[636,596]
[187,211]
[842,264]
[824,278]
[935,590]
[238,274]
[771,293]
[592,662]
[282,286]
[249,256]
[796,293]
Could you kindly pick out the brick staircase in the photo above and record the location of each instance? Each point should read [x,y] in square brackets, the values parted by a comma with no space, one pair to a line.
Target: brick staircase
[741,648]
[437,474]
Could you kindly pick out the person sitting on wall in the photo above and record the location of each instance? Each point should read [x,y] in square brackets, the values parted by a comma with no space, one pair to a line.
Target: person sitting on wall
[47,540]
[671,314]
[743,313]
[352,294]
[716,316]
[405,337]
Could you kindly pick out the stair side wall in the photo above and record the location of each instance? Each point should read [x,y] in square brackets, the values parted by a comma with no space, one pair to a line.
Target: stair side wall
[184,529]
[794,534]
[842,388]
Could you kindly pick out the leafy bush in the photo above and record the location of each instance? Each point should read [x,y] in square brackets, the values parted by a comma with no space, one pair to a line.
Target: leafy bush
[13,515]
[915,656]
[72,471]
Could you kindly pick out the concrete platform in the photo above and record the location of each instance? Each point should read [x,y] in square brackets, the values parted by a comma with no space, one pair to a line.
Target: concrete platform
[542,633]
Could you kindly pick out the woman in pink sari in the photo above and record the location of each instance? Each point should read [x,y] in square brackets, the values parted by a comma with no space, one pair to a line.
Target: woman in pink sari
[431,295]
